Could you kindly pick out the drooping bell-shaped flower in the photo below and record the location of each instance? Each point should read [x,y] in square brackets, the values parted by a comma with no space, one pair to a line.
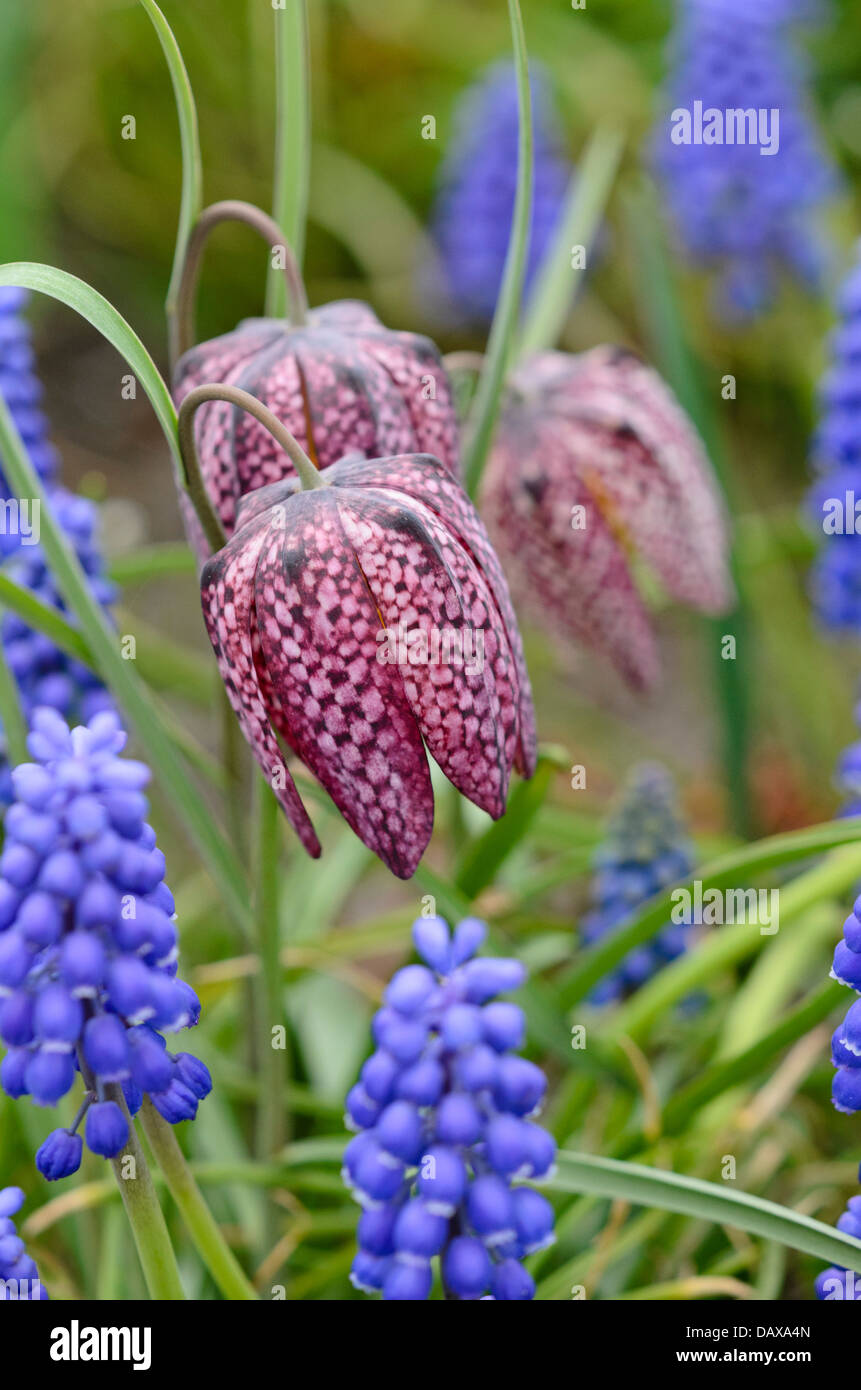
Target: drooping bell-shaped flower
[596,463]
[341,382]
[358,618]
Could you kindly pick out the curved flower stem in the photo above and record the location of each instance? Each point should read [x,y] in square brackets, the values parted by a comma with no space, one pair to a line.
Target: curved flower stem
[145,1215]
[202,1227]
[232,210]
[309,475]
[292,137]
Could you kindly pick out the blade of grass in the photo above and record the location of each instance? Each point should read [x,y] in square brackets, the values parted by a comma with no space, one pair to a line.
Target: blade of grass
[556,284]
[668,1191]
[481,423]
[292,140]
[191,198]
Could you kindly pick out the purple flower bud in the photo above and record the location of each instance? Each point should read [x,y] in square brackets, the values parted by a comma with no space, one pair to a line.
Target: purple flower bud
[491,975]
[461,1026]
[519,1086]
[466,1267]
[511,1283]
[57,1017]
[176,1103]
[467,937]
[533,1219]
[418,1231]
[410,989]
[852,932]
[407,1283]
[422,1082]
[375,1231]
[490,1209]
[82,963]
[378,1076]
[459,1121]
[368,1272]
[476,1068]
[15,960]
[503,1025]
[16,1019]
[193,1074]
[62,874]
[49,1076]
[432,941]
[846,1090]
[107,1130]
[361,1109]
[442,1179]
[60,1155]
[400,1131]
[378,1175]
[40,919]
[847,966]
[13,1070]
[106,1048]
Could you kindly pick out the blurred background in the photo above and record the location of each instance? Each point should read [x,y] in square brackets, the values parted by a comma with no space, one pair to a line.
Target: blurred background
[75,193]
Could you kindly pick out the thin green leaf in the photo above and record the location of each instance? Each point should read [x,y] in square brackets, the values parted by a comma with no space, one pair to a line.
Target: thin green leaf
[739,866]
[557,282]
[164,559]
[485,406]
[191,199]
[14,725]
[292,140]
[483,858]
[655,1187]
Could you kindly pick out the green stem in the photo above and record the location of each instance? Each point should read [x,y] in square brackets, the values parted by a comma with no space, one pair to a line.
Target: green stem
[145,1215]
[309,476]
[202,1227]
[269,1011]
[192,168]
[292,139]
[481,424]
[11,715]
[233,210]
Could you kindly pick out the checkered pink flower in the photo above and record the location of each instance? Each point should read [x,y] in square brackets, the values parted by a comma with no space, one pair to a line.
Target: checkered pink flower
[595,464]
[341,383]
[358,621]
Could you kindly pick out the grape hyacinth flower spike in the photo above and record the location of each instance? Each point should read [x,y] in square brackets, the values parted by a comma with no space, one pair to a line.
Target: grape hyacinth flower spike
[356,616]
[443,1112]
[746,204]
[475,202]
[645,851]
[836,451]
[88,944]
[595,462]
[19,1277]
[338,379]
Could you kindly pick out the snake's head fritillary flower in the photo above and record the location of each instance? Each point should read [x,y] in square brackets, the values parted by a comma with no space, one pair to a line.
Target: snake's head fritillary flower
[356,619]
[645,850]
[341,383]
[444,1113]
[19,1277]
[88,944]
[595,463]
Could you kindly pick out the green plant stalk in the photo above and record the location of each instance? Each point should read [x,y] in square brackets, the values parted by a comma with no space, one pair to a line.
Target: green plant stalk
[129,690]
[679,366]
[202,1226]
[481,423]
[144,1213]
[191,199]
[269,1011]
[668,1191]
[292,140]
[737,867]
[557,283]
[14,725]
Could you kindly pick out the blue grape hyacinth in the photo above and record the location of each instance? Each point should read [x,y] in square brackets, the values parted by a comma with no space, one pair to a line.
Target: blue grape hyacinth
[45,675]
[835,498]
[645,851]
[749,214]
[19,1277]
[442,1110]
[88,944]
[474,206]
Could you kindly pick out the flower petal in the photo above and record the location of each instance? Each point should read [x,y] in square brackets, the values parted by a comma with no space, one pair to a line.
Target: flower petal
[343,712]
[457,670]
[578,577]
[426,480]
[227,587]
